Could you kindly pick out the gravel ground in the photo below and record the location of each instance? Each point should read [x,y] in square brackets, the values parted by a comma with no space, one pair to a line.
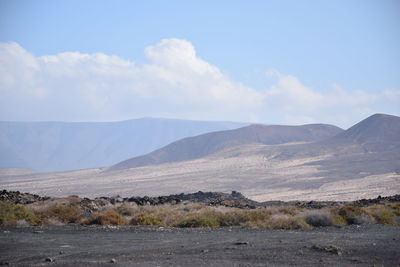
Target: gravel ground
[75,245]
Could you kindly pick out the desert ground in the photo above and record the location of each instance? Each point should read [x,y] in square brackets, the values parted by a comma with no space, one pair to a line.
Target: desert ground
[74,245]
[258,171]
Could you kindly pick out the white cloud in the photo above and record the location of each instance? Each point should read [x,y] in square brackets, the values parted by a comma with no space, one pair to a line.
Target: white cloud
[302,104]
[176,82]
[291,94]
[392,95]
[75,86]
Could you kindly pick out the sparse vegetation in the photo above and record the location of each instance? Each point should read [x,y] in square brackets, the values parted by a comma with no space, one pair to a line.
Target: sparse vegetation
[146,219]
[283,221]
[200,221]
[319,219]
[11,213]
[383,214]
[351,214]
[339,220]
[63,213]
[107,217]
[127,209]
[188,214]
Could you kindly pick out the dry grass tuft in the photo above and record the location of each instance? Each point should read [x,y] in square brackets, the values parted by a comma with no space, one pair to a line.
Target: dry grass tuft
[352,214]
[127,209]
[70,210]
[290,210]
[65,214]
[199,221]
[146,219]
[283,221]
[318,219]
[107,217]
[383,214]
[11,214]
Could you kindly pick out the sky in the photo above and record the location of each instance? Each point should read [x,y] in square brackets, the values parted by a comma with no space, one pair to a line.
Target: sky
[273,62]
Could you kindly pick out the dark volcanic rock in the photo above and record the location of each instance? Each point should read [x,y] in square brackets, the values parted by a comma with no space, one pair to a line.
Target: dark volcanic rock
[328,204]
[90,206]
[378,200]
[17,197]
[235,199]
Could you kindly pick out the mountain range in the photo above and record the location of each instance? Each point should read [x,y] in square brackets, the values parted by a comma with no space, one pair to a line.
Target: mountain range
[309,162]
[59,146]
[209,143]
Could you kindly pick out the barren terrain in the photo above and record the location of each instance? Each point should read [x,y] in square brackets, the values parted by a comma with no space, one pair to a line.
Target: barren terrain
[258,171]
[73,245]
[361,162]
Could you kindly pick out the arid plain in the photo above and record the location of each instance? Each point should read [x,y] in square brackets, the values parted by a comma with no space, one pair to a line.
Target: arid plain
[254,172]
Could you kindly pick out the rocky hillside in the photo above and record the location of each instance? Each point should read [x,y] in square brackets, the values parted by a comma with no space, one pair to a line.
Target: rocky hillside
[206,144]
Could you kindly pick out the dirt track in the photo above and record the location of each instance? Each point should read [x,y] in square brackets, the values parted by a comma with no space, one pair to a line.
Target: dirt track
[367,245]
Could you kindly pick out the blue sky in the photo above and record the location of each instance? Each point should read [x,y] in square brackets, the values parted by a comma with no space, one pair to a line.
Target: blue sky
[287,62]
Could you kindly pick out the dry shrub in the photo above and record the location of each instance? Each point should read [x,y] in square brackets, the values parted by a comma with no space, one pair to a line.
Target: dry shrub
[54,221]
[171,217]
[234,218]
[289,210]
[73,199]
[283,221]
[395,207]
[11,213]
[383,214]
[271,210]
[190,207]
[259,215]
[317,219]
[351,214]
[339,220]
[266,218]
[66,214]
[127,209]
[363,219]
[198,221]
[238,217]
[107,217]
[195,206]
[146,219]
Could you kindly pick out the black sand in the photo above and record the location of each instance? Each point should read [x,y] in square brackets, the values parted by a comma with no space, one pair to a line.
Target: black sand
[74,245]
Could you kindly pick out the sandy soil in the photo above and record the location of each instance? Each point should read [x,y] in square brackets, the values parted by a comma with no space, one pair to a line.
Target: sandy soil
[366,245]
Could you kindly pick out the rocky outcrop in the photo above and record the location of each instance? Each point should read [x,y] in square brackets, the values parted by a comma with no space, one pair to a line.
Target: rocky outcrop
[234,199]
[17,197]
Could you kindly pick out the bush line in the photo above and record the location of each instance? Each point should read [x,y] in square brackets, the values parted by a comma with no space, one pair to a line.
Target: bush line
[196,215]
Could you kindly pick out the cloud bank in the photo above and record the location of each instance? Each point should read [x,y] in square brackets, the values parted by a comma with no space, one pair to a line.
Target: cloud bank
[175,83]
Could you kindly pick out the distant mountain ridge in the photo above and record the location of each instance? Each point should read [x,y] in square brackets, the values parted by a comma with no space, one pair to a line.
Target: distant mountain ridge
[206,144]
[59,146]
[361,162]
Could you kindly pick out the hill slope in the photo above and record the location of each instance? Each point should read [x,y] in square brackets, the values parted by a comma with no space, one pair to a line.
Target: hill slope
[372,146]
[56,146]
[206,144]
[375,132]
[338,168]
